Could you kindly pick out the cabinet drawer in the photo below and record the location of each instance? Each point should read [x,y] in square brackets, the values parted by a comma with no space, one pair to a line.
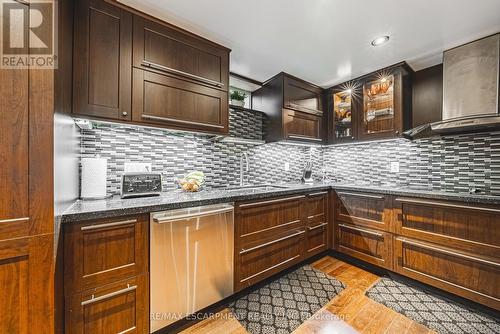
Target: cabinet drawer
[302,126]
[264,218]
[176,53]
[467,227]
[115,308]
[465,274]
[104,251]
[317,223]
[372,246]
[370,210]
[255,262]
[176,103]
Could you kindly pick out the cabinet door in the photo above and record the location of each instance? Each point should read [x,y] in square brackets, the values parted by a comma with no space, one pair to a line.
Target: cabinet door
[269,237]
[258,261]
[299,95]
[381,113]
[364,209]
[343,112]
[463,273]
[14,85]
[472,228]
[317,223]
[173,52]
[369,245]
[102,60]
[302,126]
[27,281]
[177,103]
[104,251]
[120,307]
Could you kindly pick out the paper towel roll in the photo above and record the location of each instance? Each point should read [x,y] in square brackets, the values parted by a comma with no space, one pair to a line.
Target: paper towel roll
[94,177]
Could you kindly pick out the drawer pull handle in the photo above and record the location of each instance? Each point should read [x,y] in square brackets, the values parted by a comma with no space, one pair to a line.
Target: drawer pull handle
[310,228]
[174,120]
[448,252]
[14,220]
[304,137]
[96,227]
[249,205]
[380,235]
[318,193]
[360,195]
[244,251]
[447,205]
[181,73]
[109,295]
[160,219]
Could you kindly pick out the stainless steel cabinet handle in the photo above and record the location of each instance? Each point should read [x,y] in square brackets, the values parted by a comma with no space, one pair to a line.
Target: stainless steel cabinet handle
[243,251]
[310,228]
[318,193]
[304,137]
[181,73]
[249,205]
[360,195]
[447,205]
[164,219]
[14,220]
[448,252]
[96,227]
[109,295]
[175,120]
[306,110]
[380,235]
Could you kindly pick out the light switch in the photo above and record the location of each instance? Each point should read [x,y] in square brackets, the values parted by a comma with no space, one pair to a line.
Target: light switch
[287,166]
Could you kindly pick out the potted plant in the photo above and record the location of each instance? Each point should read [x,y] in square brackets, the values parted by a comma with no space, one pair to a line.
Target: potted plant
[238,98]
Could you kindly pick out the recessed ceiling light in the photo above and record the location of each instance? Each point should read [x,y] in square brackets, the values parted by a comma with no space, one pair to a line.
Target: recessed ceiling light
[380,40]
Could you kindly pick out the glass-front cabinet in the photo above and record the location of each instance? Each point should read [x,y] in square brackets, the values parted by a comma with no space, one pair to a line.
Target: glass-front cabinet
[378,105]
[375,106]
[343,107]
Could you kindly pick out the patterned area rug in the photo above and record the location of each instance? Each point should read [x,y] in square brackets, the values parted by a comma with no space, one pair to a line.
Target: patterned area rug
[282,305]
[431,310]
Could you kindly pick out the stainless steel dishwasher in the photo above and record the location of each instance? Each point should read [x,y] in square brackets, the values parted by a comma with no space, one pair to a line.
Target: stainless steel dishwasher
[191,261]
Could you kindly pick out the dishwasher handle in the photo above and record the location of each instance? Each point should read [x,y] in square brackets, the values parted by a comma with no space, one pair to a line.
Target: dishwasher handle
[161,218]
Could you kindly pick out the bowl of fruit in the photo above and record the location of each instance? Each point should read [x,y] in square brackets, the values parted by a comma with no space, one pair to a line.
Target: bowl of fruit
[192,182]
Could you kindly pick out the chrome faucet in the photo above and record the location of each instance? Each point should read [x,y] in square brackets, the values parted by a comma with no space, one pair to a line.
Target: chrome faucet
[243,162]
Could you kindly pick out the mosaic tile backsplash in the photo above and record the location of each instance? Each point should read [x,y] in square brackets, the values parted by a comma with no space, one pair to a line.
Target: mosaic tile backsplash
[454,163]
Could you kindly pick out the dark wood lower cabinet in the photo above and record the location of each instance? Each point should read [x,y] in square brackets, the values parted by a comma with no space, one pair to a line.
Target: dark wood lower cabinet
[106,275]
[456,271]
[450,245]
[365,244]
[118,307]
[272,235]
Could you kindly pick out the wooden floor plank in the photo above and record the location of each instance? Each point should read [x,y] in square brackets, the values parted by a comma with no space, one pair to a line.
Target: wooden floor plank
[348,312]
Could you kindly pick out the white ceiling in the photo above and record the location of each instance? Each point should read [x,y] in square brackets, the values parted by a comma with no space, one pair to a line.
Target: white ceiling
[328,41]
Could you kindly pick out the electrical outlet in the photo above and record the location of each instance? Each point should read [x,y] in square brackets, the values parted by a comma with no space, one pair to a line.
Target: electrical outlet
[287,166]
[137,167]
[395,166]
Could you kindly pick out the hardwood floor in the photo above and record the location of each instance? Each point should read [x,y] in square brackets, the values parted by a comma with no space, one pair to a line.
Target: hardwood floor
[351,309]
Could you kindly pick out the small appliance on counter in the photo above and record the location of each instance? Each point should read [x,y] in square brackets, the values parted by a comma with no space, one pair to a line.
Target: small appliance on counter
[141,184]
[307,174]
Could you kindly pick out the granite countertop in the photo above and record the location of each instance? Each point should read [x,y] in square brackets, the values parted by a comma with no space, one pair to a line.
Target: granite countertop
[83,210]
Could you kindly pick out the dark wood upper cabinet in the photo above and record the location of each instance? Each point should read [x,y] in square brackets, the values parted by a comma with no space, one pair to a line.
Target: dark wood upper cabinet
[293,108]
[180,81]
[102,68]
[166,50]
[131,67]
[375,106]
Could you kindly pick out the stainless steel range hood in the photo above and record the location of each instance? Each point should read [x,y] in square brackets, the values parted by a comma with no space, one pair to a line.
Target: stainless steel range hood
[470,90]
